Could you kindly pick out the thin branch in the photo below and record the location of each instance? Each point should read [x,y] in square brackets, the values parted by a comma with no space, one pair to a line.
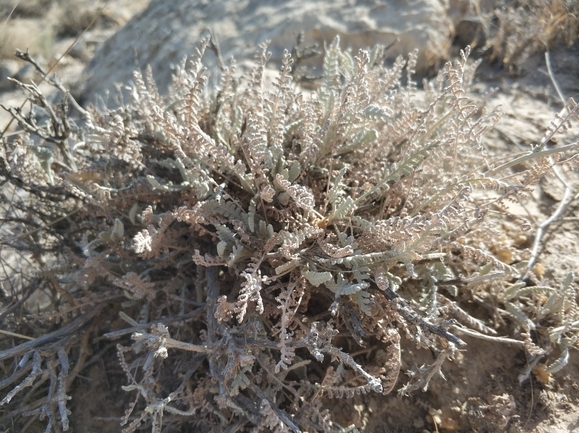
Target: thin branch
[530,156]
[117,334]
[568,195]
[412,317]
[552,76]
[14,334]
[480,336]
[71,329]
[280,413]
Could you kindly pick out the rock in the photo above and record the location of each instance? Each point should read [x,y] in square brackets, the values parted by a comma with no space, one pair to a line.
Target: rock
[8,68]
[165,32]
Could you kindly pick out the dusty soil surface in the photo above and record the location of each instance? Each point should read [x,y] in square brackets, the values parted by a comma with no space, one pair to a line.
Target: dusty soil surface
[481,390]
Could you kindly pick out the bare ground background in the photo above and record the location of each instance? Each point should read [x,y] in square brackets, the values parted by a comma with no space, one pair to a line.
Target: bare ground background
[481,390]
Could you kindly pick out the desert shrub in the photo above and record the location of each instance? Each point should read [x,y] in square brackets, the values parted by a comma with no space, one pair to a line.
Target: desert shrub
[16,33]
[520,29]
[241,246]
[72,22]
[24,9]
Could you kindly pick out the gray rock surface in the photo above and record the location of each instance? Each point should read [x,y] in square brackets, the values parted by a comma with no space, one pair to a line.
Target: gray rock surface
[166,31]
[8,68]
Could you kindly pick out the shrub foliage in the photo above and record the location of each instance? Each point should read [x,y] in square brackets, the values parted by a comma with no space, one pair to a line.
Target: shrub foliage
[241,246]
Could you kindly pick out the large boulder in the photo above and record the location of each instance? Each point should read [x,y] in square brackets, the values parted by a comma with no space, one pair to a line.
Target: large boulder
[166,31]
